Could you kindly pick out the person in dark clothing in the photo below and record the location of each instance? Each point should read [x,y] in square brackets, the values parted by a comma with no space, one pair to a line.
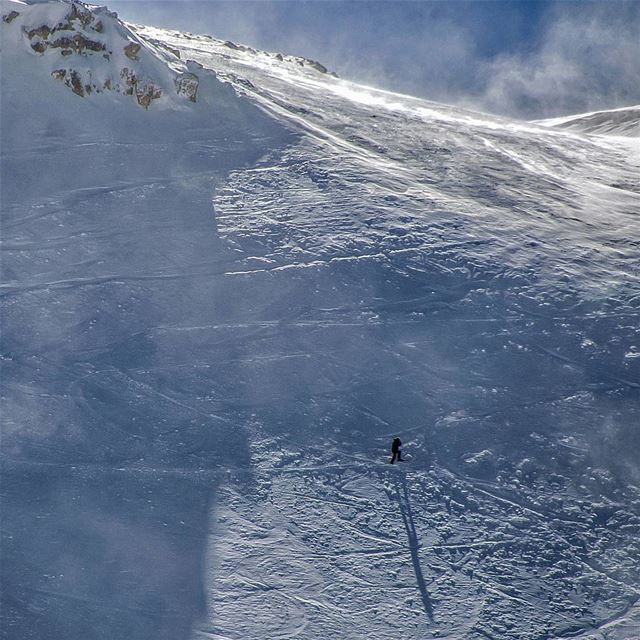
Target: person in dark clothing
[396,450]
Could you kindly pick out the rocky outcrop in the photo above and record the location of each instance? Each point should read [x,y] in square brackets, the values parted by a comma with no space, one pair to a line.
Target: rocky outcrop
[78,18]
[109,56]
[84,84]
[187,86]
[77,43]
[76,85]
[73,80]
[314,64]
[131,50]
[78,13]
[57,36]
[130,80]
[145,92]
[40,32]
[302,62]
[10,17]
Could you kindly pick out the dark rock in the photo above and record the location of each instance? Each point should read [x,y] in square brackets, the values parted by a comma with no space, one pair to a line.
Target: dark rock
[78,43]
[129,77]
[80,13]
[131,50]
[76,84]
[187,85]
[92,45]
[147,93]
[77,14]
[10,17]
[316,65]
[42,32]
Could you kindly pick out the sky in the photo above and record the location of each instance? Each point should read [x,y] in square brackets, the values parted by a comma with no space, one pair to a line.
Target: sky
[526,59]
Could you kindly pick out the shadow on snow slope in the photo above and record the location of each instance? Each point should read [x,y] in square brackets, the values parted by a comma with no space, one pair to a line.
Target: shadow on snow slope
[109,240]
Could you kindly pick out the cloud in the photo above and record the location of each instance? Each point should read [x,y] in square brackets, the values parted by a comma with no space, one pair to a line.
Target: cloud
[586,61]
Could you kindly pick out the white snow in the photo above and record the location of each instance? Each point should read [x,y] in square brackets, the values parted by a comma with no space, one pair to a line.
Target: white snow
[613,122]
[217,314]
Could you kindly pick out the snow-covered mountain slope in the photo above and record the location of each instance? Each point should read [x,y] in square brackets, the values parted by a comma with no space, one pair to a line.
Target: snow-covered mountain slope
[615,122]
[216,314]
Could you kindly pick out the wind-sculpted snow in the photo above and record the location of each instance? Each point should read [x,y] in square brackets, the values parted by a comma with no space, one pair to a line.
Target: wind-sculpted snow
[217,314]
[615,122]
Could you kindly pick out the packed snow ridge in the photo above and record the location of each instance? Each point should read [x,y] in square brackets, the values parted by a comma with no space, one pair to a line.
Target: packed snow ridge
[230,278]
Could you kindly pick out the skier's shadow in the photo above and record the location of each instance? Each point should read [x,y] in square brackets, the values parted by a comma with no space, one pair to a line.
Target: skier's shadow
[414,545]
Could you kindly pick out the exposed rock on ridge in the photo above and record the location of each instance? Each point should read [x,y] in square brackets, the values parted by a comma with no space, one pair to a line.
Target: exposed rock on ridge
[187,85]
[100,53]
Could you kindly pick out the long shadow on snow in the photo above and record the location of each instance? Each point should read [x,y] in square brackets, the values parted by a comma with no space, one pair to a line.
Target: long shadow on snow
[414,545]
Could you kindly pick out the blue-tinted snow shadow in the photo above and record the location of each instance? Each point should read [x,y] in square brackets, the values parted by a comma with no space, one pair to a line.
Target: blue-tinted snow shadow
[94,552]
[115,440]
[112,459]
[404,504]
[111,456]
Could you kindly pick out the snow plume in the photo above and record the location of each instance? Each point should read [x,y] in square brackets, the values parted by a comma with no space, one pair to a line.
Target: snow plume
[586,61]
[561,58]
[581,61]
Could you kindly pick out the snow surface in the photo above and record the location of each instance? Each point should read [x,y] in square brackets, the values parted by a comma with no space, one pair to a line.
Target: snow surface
[621,122]
[216,315]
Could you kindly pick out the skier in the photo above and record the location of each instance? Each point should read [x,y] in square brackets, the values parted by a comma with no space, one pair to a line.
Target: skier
[396,450]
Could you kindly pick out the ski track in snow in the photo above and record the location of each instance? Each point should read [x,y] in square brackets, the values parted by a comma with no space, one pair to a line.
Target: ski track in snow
[215,319]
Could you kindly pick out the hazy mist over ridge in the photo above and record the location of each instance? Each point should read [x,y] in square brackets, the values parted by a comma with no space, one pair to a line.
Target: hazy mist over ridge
[527,60]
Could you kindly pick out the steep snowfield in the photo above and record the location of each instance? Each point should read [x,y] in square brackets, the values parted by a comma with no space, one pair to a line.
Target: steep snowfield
[217,313]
